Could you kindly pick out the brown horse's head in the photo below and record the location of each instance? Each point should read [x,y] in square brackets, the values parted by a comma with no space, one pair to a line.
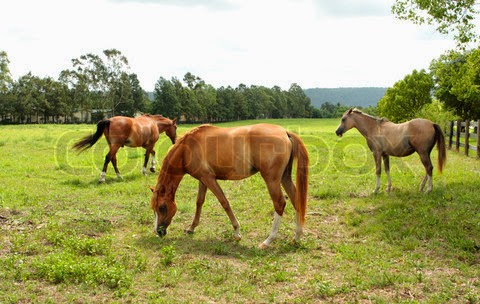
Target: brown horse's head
[346,123]
[171,131]
[164,207]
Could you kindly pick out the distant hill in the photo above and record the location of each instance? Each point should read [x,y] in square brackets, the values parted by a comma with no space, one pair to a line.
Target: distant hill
[355,97]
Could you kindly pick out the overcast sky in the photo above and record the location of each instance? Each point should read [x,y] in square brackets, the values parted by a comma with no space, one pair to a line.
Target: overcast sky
[314,43]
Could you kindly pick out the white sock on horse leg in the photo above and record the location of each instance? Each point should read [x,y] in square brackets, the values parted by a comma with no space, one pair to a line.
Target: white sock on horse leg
[273,234]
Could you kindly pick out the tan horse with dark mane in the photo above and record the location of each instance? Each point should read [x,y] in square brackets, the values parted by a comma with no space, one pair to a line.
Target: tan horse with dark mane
[385,139]
[142,131]
[209,153]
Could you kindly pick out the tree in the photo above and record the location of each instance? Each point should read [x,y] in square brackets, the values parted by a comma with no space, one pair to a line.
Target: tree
[406,97]
[457,82]
[166,101]
[104,78]
[299,104]
[449,16]
[5,76]
[6,82]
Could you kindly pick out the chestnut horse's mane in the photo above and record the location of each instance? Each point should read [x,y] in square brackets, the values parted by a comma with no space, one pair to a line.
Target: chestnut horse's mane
[172,149]
[190,132]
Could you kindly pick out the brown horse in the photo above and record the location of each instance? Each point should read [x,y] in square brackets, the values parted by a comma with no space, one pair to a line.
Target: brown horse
[385,139]
[210,153]
[142,131]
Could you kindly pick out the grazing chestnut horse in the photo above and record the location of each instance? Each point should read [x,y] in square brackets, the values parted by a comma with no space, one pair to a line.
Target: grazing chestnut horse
[384,138]
[142,131]
[209,153]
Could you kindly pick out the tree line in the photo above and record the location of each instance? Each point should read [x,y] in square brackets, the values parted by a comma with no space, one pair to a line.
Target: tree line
[98,86]
[450,89]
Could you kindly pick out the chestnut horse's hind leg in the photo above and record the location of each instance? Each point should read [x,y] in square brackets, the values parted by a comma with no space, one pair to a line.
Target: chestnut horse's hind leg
[279,204]
[213,185]
[289,187]
[202,190]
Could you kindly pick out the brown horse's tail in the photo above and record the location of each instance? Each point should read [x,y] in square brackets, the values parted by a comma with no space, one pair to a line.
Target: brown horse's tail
[300,153]
[90,140]
[442,155]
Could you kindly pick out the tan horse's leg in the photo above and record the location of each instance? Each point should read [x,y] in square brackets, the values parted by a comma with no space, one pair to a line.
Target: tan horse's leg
[213,185]
[378,170]
[427,163]
[202,190]
[279,205]
[386,162]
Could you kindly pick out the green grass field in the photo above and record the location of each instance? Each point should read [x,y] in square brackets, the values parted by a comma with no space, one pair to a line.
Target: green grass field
[67,239]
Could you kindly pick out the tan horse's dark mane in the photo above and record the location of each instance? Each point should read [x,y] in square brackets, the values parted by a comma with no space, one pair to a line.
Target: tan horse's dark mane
[378,119]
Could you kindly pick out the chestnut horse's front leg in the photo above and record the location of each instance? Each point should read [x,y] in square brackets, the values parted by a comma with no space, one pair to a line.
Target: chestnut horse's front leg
[202,190]
[149,150]
[212,184]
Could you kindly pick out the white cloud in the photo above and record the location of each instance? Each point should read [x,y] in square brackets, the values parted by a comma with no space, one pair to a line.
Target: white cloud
[312,43]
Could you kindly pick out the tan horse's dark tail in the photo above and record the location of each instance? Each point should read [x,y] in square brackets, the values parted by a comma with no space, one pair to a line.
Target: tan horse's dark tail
[300,153]
[90,140]
[442,154]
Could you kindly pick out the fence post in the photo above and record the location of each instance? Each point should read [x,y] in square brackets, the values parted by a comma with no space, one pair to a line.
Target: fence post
[457,136]
[450,136]
[467,136]
[478,138]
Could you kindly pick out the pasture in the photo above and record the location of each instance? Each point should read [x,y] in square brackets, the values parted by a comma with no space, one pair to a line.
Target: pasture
[67,238]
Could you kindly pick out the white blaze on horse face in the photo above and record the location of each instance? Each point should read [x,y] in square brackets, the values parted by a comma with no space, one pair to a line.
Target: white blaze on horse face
[155,224]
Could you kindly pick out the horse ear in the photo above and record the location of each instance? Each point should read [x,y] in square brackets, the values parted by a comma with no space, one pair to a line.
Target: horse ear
[174,120]
[151,188]
[350,111]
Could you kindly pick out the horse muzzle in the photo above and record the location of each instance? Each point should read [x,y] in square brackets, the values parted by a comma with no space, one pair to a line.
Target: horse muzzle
[162,230]
[339,132]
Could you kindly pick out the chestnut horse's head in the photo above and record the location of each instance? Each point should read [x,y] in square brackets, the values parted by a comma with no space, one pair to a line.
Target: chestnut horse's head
[171,130]
[346,123]
[164,207]
[167,125]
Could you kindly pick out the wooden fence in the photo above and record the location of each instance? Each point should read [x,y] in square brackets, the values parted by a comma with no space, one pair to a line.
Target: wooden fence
[466,130]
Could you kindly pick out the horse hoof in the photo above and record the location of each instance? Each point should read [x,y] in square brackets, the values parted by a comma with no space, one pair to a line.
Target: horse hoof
[152,170]
[186,231]
[263,246]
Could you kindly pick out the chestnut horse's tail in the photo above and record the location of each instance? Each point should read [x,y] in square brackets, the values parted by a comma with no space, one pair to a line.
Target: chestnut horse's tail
[440,139]
[299,152]
[90,140]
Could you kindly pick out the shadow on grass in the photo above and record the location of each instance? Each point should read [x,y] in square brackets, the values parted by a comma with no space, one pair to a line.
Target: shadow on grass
[188,244]
[89,182]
